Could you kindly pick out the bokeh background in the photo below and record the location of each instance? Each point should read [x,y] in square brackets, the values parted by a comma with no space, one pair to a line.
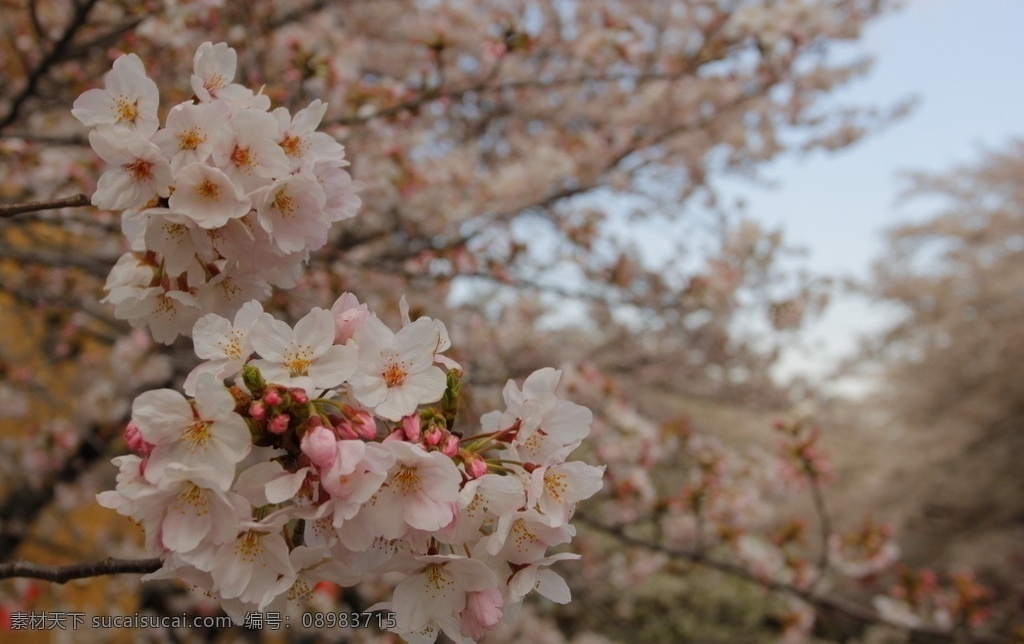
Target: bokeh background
[716,217]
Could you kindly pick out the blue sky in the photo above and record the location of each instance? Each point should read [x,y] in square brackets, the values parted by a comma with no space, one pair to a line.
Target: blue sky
[964,60]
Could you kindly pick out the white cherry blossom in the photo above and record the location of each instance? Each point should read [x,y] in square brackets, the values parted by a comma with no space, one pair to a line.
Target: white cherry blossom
[129,99]
[138,170]
[207,440]
[300,140]
[225,346]
[213,69]
[437,586]
[248,151]
[191,132]
[291,211]
[396,371]
[207,196]
[305,356]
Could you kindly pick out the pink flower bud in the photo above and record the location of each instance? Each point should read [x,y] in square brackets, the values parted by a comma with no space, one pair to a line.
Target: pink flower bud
[482,611]
[345,431]
[278,424]
[257,409]
[136,443]
[349,315]
[411,427]
[299,396]
[272,398]
[365,425]
[432,435]
[319,445]
[450,445]
[475,465]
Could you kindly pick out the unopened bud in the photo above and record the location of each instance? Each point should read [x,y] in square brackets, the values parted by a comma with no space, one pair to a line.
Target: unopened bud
[365,425]
[299,396]
[257,410]
[136,443]
[411,427]
[432,435]
[476,466]
[450,445]
[272,398]
[319,445]
[278,424]
[345,431]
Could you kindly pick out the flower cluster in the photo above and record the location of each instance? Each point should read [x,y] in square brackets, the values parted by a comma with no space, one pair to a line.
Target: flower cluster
[333,456]
[223,202]
[917,599]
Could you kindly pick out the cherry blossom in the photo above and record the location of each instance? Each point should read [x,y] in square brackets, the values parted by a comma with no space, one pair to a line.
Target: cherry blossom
[223,344]
[139,172]
[396,371]
[213,69]
[129,100]
[305,356]
[207,196]
[439,586]
[191,132]
[205,441]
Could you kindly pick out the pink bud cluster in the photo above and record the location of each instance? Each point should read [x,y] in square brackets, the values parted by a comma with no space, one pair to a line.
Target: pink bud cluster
[917,599]
[333,455]
[223,202]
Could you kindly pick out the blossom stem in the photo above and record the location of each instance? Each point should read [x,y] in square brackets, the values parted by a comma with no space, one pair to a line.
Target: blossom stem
[64,574]
[13,210]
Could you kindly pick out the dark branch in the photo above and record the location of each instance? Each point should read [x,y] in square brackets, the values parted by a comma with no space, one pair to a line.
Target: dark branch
[839,605]
[12,210]
[64,574]
[56,54]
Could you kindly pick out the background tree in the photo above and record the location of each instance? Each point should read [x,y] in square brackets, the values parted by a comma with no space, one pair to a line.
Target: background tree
[951,361]
[958,279]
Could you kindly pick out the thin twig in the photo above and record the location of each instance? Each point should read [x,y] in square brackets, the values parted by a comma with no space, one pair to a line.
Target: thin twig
[824,522]
[64,574]
[12,210]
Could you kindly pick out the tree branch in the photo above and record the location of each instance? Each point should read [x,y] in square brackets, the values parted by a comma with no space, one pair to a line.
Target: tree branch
[64,574]
[56,54]
[13,210]
[839,605]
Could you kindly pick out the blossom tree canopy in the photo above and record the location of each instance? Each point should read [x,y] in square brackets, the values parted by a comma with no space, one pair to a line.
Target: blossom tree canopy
[188,184]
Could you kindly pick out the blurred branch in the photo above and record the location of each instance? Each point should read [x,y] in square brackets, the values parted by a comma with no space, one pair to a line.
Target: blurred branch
[13,210]
[58,52]
[64,574]
[837,604]
[824,522]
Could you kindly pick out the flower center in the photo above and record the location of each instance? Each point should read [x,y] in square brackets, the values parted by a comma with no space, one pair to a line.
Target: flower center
[126,110]
[437,580]
[292,146]
[298,361]
[242,157]
[208,189]
[190,139]
[555,485]
[194,496]
[393,374]
[141,171]
[197,435]
[231,345]
[284,203]
[215,81]
[249,547]
[407,480]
